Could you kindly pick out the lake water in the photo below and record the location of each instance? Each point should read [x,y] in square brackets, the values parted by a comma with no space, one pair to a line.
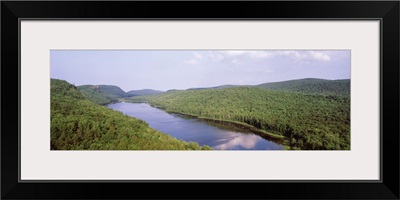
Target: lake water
[217,136]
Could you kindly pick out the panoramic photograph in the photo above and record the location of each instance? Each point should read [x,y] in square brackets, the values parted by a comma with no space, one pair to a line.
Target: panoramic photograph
[200,99]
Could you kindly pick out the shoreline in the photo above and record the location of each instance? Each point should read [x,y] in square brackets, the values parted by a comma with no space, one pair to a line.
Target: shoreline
[236,124]
[262,133]
[280,139]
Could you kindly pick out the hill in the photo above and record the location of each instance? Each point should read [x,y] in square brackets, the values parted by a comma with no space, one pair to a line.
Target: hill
[311,86]
[308,121]
[216,87]
[102,94]
[308,85]
[80,124]
[143,92]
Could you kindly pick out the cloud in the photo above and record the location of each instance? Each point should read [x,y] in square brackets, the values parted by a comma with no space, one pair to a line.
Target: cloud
[320,56]
[305,56]
[251,54]
[260,54]
[233,53]
[215,56]
[239,56]
[195,60]
[299,55]
[235,56]
[198,56]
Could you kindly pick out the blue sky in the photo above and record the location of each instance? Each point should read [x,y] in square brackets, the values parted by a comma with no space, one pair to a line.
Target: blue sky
[182,69]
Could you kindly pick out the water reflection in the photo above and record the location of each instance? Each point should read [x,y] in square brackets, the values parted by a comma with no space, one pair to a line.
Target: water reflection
[238,142]
[217,136]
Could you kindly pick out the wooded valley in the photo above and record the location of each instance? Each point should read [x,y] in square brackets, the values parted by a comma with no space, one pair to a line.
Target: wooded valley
[80,124]
[309,114]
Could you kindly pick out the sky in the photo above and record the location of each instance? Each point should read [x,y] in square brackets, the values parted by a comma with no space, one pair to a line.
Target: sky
[182,69]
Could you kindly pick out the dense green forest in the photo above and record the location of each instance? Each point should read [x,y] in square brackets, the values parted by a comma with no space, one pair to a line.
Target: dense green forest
[307,113]
[77,124]
[307,120]
[308,85]
[102,94]
[311,86]
[105,94]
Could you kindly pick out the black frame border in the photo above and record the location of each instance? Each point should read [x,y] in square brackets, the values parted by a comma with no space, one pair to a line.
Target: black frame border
[385,11]
[200,19]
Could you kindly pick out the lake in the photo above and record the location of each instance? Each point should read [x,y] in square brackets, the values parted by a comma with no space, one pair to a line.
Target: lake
[217,136]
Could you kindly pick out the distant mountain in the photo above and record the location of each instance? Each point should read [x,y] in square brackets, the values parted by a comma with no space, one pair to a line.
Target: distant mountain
[217,87]
[308,85]
[102,94]
[143,92]
[311,85]
[172,90]
[112,90]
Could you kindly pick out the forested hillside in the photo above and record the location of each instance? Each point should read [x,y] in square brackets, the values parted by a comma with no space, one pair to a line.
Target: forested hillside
[311,86]
[77,124]
[308,121]
[102,94]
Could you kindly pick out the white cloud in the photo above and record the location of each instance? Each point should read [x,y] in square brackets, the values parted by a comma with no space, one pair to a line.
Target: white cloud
[283,52]
[234,53]
[305,56]
[216,56]
[252,54]
[236,57]
[320,56]
[195,60]
[239,57]
[260,54]
[198,56]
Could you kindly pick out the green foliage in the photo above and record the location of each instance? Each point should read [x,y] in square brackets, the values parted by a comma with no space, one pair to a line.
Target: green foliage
[308,121]
[112,90]
[102,94]
[77,124]
[311,86]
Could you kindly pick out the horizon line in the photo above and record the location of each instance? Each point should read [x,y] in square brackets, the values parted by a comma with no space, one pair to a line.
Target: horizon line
[200,87]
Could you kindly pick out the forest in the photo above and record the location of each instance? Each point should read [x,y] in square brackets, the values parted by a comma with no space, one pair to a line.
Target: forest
[309,114]
[314,119]
[102,94]
[312,86]
[81,124]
